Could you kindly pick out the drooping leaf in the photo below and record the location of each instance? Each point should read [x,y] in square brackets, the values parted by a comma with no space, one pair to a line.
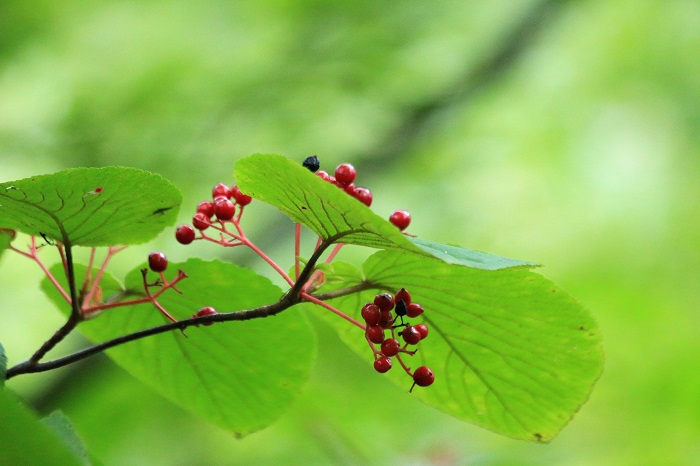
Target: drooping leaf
[6,237]
[63,428]
[238,375]
[24,440]
[91,206]
[510,351]
[329,211]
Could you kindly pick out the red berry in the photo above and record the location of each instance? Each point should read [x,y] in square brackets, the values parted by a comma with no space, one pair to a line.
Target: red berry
[375,334]
[363,195]
[371,314]
[345,174]
[206,207]
[385,301]
[201,221]
[390,347]
[411,335]
[242,199]
[414,310]
[184,234]
[221,190]
[403,295]
[350,189]
[224,209]
[423,376]
[423,330]
[386,320]
[206,311]
[323,175]
[382,364]
[157,262]
[400,219]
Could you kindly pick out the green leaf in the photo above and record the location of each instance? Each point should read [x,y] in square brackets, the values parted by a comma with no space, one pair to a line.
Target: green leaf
[3,365]
[329,211]
[24,440]
[91,206]
[6,237]
[511,351]
[62,427]
[238,375]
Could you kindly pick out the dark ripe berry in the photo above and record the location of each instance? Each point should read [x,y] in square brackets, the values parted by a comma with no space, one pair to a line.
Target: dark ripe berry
[201,221]
[311,162]
[157,262]
[242,199]
[400,308]
[411,335]
[423,330]
[206,207]
[363,195]
[403,295]
[345,174]
[385,301]
[414,310]
[224,209]
[184,234]
[382,364]
[221,190]
[375,334]
[423,376]
[206,311]
[371,314]
[323,175]
[386,320]
[400,219]
[390,347]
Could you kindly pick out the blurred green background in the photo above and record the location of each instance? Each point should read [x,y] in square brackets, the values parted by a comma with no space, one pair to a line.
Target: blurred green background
[563,132]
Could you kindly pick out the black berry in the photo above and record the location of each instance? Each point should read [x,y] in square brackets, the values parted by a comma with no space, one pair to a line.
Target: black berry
[311,162]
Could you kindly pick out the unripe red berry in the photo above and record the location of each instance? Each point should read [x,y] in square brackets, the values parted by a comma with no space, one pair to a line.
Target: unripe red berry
[224,209]
[423,376]
[375,334]
[414,310]
[206,311]
[411,335]
[403,295]
[371,314]
[157,262]
[206,207]
[184,234]
[241,199]
[382,364]
[221,190]
[201,221]
[363,195]
[385,301]
[423,330]
[400,219]
[345,174]
[390,347]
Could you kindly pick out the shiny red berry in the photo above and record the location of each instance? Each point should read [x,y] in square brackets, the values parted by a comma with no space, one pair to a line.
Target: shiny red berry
[423,376]
[241,199]
[363,195]
[382,364]
[375,334]
[224,209]
[323,175]
[385,301]
[390,347]
[184,234]
[414,310]
[400,219]
[403,295]
[201,221]
[206,311]
[411,335]
[371,314]
[221,190]
[386,320]
[423,330]
[157,262]
[345,174]
[206,207]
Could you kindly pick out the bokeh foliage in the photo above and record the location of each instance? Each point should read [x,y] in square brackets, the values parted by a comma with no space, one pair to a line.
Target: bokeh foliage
[577,150]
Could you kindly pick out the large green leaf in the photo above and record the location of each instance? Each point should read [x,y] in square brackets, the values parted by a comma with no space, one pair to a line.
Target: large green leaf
[329,211]
[6,237]
[91,206]
[511,352]
[238,375]
[3,365]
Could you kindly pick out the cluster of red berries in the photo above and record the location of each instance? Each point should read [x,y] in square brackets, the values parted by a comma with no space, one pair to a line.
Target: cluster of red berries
[384,319]
[222,206]
[344,178]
